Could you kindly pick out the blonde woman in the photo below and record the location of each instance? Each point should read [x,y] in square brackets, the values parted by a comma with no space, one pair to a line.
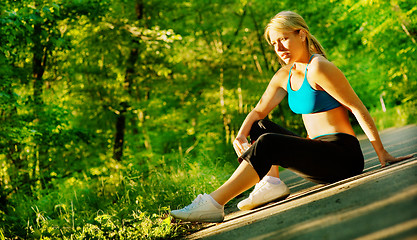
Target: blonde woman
[319,91]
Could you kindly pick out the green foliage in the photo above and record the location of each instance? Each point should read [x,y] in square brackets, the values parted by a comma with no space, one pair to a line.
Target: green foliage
[111,112]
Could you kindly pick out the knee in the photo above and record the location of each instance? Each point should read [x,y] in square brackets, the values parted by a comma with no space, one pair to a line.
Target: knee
[264,144]
[262,154]
[270,143]
[265,138]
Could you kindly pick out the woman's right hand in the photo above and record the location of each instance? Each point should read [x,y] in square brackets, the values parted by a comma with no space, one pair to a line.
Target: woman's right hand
[386,158]
[241,144]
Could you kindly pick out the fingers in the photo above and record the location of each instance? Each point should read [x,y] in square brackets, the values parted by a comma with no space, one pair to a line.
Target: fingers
[407,156]
[236,146]
[402,158]
[245,146]
[239,147]
[397,159]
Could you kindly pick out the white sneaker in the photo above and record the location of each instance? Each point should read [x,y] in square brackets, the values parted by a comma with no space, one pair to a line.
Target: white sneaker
[263,193]
[202,209]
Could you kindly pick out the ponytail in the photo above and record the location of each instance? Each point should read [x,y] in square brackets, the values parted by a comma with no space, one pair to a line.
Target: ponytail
[314,46]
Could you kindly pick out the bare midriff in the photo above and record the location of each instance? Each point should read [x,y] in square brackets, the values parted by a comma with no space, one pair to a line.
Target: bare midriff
[332,121]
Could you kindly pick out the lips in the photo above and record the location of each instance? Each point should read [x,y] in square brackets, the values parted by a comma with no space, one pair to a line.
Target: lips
[284,55]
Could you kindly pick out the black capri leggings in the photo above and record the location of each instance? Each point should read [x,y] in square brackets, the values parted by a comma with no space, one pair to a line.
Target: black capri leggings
[325,159]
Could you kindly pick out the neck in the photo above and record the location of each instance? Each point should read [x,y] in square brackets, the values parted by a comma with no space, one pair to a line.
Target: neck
[302,62]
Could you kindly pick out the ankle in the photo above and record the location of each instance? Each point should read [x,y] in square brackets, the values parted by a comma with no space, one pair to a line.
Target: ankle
[272,179]
[215,203]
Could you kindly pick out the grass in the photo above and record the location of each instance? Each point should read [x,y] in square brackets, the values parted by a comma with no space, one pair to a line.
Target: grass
[120,203]
[396,116]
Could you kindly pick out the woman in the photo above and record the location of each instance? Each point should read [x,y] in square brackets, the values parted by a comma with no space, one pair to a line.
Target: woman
[319,91]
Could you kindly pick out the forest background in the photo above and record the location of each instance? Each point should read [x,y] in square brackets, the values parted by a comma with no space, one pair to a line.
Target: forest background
[113,112]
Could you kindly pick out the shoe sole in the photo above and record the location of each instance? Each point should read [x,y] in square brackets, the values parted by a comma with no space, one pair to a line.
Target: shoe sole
[216,220]
[208,219]
[253,206]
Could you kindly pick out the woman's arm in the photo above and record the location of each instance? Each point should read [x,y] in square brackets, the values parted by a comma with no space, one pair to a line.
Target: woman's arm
[332,80]
[272,96]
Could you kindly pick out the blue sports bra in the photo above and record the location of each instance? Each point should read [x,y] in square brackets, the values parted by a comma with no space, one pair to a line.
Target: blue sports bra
[308,100]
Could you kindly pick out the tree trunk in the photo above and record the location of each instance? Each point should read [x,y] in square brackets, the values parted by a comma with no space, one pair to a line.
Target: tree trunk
[39,61]
[128,85]
[120,133]
[130,70]
[40,54]
[223,108]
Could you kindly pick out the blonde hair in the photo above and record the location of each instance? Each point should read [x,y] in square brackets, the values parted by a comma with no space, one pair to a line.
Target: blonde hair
[288,21]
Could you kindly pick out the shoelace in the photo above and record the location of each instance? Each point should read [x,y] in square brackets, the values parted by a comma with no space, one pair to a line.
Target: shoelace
[196,202]
[257,186]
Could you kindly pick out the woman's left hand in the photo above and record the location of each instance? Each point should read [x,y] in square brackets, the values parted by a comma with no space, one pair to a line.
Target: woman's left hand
[240,144]
[386,158]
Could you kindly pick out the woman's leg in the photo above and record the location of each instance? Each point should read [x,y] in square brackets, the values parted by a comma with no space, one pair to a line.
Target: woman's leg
[326,159]
[323,160]
[265,126]
[274,171]
[242,179]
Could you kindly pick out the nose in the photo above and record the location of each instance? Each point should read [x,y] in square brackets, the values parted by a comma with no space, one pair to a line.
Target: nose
[279,47]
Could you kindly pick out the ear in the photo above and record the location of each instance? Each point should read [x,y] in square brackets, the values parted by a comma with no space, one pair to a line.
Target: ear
[303,34]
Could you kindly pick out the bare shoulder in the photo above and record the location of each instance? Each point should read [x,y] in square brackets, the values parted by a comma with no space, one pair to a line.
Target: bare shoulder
[321,66]
[324,75]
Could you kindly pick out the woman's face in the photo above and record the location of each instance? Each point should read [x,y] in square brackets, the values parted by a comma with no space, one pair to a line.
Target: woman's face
[289,46]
